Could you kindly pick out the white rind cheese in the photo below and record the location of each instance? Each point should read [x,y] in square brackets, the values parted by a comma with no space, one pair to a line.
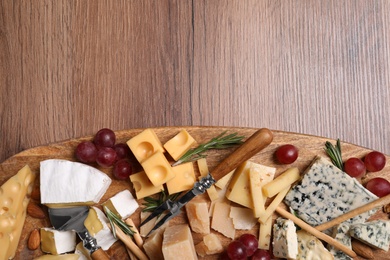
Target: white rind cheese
[285,241]
[122,203]
[325,192]
[65,181]
[57,242]
[374,233]
[341,234]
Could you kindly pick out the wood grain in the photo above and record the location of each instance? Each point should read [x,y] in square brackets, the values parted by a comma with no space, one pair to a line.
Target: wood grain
[71,67]
[309,148]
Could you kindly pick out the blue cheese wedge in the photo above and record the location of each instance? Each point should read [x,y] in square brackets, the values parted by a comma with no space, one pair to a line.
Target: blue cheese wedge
[341,234]
[325,192]
[374,233]
[311,248]
[285,241]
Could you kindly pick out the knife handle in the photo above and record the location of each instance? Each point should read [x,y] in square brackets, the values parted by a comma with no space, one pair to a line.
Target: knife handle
[100,254]
[255,143]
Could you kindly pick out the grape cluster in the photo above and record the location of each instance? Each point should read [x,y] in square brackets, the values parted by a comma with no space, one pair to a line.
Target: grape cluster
[245,247]
[104,151]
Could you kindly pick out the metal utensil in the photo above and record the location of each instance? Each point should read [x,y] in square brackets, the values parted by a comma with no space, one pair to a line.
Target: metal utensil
[258,141]
[73,219]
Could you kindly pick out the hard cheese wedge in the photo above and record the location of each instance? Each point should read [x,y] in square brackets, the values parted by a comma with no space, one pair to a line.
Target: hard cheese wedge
[66,182]
[13,202]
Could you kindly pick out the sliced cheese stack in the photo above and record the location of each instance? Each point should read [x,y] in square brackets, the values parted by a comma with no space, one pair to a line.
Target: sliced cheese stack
[84,184]
[14,195]
[96,224]
[57,242]
[122,204]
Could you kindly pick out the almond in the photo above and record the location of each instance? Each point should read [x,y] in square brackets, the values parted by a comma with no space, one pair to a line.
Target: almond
[34,240]
[36,193]
[362,250]
[35,211]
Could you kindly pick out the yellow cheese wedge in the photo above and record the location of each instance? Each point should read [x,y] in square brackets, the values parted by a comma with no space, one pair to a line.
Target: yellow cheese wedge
[281,182]
[145,144]
[178,243]
[221,183]
[179,144]
[158,169]
[204,171]
[238,190]
[184,178]
[14,195]
[142,185]
[265,232]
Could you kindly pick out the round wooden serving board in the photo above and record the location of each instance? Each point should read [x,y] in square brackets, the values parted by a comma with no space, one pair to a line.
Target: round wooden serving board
[309,147]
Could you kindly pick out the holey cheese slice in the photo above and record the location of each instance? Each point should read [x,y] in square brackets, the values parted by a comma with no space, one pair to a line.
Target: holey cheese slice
[66,182]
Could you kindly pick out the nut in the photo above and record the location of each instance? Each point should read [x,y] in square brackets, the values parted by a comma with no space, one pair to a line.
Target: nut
[386,208]
[35,211]
[34,240]
[362,249]
[36,193]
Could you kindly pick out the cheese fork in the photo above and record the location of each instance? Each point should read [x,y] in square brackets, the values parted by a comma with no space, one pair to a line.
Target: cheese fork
[254,144]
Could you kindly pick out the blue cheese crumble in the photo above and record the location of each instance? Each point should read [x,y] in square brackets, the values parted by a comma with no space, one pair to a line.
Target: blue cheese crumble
[374,233]
[285,241]
[341,234]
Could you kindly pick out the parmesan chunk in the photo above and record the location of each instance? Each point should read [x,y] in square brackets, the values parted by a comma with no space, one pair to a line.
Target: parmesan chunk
[243,218]
[221,221]
[210,245]
[198,215]
[153,245]
[178,243]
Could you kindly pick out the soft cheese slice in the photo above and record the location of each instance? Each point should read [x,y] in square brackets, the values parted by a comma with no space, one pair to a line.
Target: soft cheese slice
[374,233]
[325,192]
[96,224]
[311,248]
[178,243]
[57,242]
[13,202]
[67,182]
[285,241]
[122,204]
[341,234]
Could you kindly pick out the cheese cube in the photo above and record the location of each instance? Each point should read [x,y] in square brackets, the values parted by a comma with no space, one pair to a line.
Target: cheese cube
[285,241]
[221,220]
[14,198]
[238,190]
[210,245]
[122,204]
[198,215]
[178,243]
[184,178]
[57,242]
[179,144]
[153,245]
[158,169]
[142,185]
[145,144]
[96,224]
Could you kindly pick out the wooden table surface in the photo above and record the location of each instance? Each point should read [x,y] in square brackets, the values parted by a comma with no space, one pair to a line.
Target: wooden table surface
[71,67]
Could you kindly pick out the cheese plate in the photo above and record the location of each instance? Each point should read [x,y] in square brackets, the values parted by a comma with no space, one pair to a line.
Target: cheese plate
[309,147]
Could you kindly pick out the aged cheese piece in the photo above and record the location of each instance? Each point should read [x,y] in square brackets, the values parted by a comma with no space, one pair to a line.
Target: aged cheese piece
[178,243]
[286,179]
[273,205]
[285,241]
[341,234]
[57,242]
[210,245]
[158,169]
[204,171]
[122,204]
[96,224]
[82,252]
[221,221]
[238,190]
[198,215]
[325,192]
[145,144]
[221,183]
[259,175]
[63,182]
[375,233]
[243,218]
[311,248]
[265,232]
[142,185]
[184,178]
[153,245]
[179,144]
[13,203]
[59,257]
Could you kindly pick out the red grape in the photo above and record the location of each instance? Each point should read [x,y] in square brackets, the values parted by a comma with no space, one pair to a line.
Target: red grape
[261,254]
[122,169]
[106,157]
[105,138]
[354,167]
[86,152]
[379,186]
[236,250]
[224,256]
[122,151]
[250,242]
[375,161]
[286,154]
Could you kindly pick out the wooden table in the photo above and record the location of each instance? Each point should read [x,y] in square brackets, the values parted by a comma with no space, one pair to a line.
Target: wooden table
[71,67]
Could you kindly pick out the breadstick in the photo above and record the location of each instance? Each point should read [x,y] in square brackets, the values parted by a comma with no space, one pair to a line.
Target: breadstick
[315,232]
[137,237]
[130,244]
[353,213]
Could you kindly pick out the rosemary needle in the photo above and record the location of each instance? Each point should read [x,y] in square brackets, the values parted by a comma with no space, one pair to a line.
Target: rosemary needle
[219,142]
[334,152]
[114,219]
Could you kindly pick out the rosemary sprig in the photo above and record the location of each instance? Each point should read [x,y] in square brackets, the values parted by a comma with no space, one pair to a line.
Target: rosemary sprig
[219,142]
[334,152]
[114,219]
[152,203]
